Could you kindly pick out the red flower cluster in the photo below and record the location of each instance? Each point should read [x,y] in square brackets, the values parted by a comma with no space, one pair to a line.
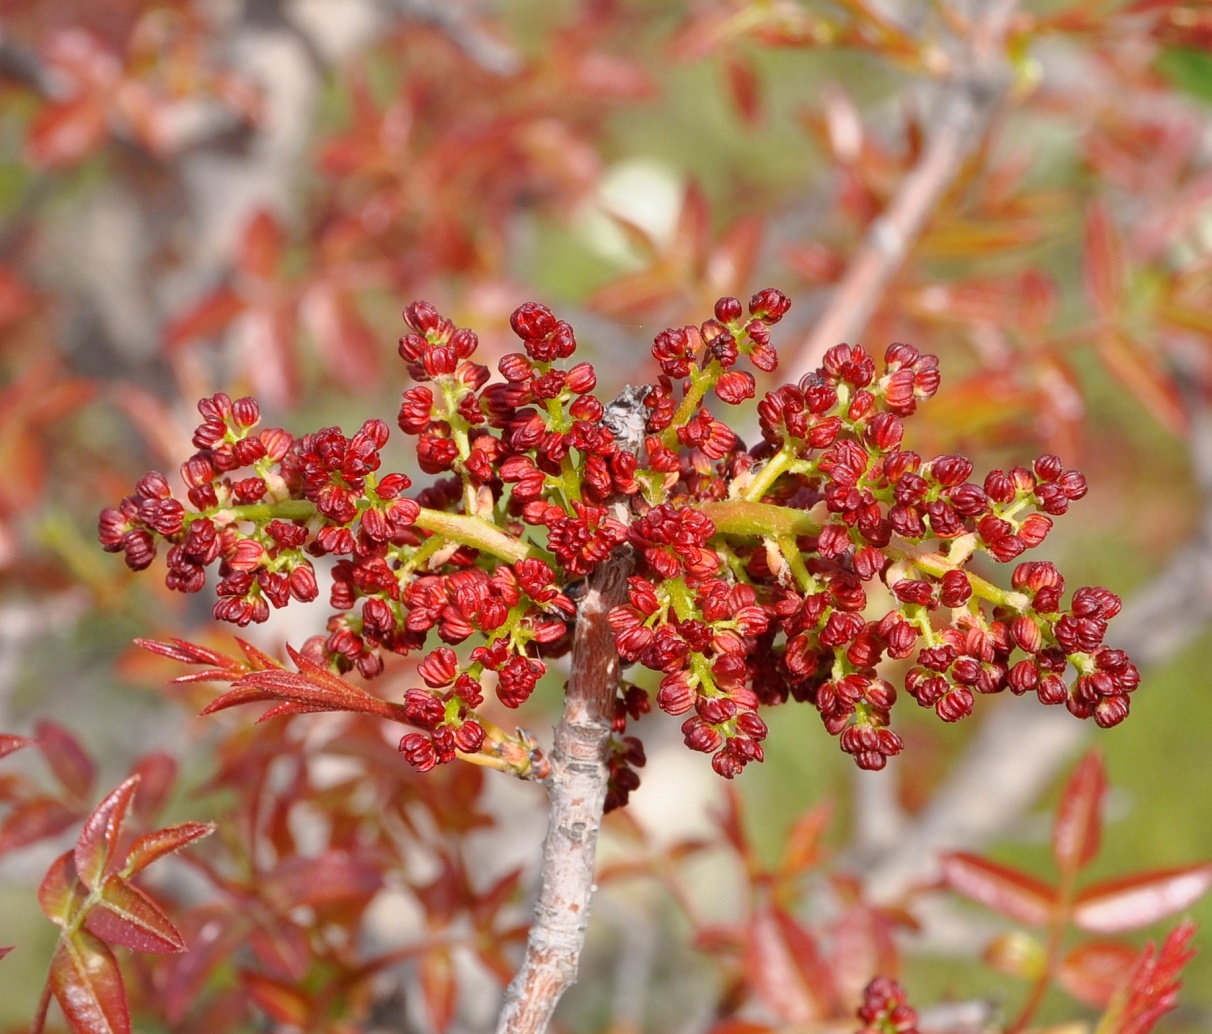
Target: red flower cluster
[789,571]
[884,1009]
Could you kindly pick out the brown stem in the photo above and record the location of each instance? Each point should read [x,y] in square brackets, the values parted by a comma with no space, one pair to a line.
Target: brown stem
[971,96]
[39,1024]
[577,792]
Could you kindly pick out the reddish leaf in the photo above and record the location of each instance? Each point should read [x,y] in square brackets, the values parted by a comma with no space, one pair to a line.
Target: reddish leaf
[1143,372]
[439,987]
[1153,986]
[1103,263]
[34,820]
[9,744]
[735,1026]
[71,764]
[5,951]
[1135,901]
[63,133]
[785,968]
[1075,834]
[1005,890]
[61,893]
[99,838]
[283,949]
[86,983]
[205,318]
[151,846]
[312,687]
[127,917]
[1093,972]
[262,246]
[282,1002]
[803,848]
[157,772]
[187,652]
[214,933]
[746,90]
[333,877]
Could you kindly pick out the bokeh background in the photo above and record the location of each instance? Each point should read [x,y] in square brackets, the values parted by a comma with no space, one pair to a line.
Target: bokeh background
[241,196]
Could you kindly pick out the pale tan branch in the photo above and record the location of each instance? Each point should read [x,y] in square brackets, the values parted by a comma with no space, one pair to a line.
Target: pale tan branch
[979,79]
[577,791]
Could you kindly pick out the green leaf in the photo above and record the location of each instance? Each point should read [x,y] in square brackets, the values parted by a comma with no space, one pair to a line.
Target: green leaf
[1187,68]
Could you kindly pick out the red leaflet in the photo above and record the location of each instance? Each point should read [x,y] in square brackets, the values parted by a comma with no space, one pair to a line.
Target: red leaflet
[99,839]
[1075,833]
[8,744]
[147,848]
[1094,971]
[439,987]
[1135,901]
[331,878]
[71,764]
[61,894]
[1005,890]
[282,1002]
[786,969]
[1103,263]
[34,820]
[312,688]
[1153,986]
[86,982]
[127,917]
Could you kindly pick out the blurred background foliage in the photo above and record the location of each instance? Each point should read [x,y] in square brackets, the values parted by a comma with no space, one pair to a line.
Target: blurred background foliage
[216,195]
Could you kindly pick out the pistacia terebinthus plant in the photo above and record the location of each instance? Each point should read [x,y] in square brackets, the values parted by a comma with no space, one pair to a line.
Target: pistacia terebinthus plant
[785,571]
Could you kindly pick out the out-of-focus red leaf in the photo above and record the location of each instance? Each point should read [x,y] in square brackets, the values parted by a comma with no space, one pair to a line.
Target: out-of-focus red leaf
[208,316]
[1005,890]
[65,132]
[1075,833]
[33,820]
[1153,985]
[269,333]
[151,846]
[70,762]
[802,849]
[785,968]
[99,838]
[157,772]
[1093,972]
[745,88]
[1134,901]
[693,228]
[1139,369]
[10,744]
[282,948]
[5,951]
[1102,263]
[214,933]
[129,918]
[730,263]
[61,893]
[439,987]
[331,878]
[735,1026]
[350,348]
[15,298]
[261,249]
[87,985]
[283,1003]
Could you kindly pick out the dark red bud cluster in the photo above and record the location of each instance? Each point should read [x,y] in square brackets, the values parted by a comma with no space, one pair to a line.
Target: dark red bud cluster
[789,571]
[885,1009]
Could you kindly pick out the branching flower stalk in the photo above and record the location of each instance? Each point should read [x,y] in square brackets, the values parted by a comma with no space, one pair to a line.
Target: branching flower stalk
[743,577]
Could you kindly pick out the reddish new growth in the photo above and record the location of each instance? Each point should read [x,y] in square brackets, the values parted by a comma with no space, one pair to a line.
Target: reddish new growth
[787,571]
